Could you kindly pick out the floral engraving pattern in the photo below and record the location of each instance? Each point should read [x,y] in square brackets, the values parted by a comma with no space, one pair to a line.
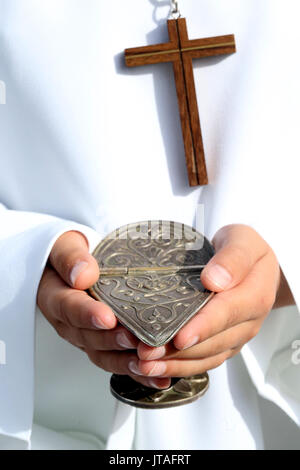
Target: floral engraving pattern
[154,306]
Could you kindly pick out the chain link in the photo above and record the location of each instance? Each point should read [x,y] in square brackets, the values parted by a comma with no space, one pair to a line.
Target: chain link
[175,13]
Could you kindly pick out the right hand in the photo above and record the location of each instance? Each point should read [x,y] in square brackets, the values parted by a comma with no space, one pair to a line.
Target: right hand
[81,320]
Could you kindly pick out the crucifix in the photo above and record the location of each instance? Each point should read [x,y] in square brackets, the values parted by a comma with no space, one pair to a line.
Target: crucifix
[181,51]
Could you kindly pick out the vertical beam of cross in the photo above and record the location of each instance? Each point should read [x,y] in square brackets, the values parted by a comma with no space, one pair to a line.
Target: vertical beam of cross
[181,51]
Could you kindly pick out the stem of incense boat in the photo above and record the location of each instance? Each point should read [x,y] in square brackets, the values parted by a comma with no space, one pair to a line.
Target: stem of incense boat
[139,270]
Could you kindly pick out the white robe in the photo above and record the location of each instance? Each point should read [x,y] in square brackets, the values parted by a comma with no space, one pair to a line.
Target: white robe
[88,144]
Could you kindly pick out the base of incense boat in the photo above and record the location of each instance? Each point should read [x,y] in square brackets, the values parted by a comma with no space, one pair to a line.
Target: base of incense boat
[181,392]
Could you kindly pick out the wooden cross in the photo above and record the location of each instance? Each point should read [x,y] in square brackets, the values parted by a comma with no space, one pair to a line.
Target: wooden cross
[181,51]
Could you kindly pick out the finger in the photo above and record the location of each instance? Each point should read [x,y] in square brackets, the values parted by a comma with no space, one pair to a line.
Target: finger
[60,303]
[70,257]
[232,338]
[158,383]
[118,339]
[251,299]
[114,361]
[148,353]
[238,249]
[182,368]
[121,363]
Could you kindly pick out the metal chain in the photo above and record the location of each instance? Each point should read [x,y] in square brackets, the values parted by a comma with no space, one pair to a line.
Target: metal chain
[175,13]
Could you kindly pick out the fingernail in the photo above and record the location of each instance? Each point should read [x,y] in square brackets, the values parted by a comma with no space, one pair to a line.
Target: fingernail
[191,342]
[98,324]
[158,369]
[133,367]
[157,353]
[77,269]
[124,341]
[154,384]
[219,276]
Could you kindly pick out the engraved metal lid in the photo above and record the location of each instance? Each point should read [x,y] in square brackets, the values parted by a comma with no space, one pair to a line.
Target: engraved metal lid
[150,277]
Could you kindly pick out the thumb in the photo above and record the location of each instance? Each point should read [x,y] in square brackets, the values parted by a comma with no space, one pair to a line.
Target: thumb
[238,248]
[70,257]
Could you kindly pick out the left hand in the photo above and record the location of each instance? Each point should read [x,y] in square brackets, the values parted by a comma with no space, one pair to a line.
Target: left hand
[245,274]
[81,320]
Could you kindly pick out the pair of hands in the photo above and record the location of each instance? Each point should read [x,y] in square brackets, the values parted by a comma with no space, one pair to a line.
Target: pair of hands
[244,273]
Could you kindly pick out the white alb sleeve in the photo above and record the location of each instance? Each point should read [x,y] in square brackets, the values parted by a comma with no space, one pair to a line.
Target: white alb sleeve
[26,240]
